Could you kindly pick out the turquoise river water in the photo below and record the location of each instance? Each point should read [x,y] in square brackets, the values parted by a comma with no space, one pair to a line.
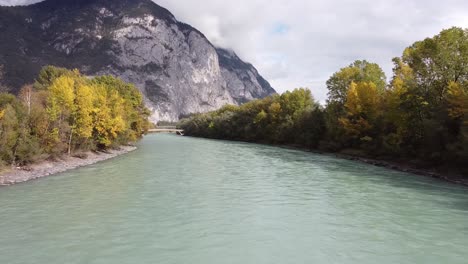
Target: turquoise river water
[187,200]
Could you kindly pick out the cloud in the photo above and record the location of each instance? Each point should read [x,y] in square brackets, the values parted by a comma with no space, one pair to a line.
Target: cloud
[300,43]
[296,43]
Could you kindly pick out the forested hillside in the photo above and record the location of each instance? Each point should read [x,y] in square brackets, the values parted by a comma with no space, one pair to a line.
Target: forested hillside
[64,112]
[421,115]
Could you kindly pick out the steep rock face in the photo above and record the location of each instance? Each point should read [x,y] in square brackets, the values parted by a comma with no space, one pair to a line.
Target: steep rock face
[178,70]
[242,79]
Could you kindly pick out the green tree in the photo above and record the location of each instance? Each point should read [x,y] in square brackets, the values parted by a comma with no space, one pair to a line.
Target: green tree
[8,134]
[435,63]
[438,61]
[49,74]
[18,146]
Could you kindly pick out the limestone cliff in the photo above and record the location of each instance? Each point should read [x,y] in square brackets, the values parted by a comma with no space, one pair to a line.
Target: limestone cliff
[178,70]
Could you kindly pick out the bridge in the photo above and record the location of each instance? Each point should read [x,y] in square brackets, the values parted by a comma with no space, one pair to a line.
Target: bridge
[167,129]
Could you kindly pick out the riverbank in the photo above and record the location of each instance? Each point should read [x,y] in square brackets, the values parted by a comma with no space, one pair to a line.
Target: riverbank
[405,167]
[443,174]
[435,173]
[48,168]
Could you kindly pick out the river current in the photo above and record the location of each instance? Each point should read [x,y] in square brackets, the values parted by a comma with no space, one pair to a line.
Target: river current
[186,200]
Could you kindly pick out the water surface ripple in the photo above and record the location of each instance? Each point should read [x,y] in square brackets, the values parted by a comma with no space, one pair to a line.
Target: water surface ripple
[186,200]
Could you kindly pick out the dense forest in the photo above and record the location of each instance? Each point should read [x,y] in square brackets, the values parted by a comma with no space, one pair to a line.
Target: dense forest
[64,112]
[421,115]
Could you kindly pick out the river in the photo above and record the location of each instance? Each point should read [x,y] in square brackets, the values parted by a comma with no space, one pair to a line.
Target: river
[186,200]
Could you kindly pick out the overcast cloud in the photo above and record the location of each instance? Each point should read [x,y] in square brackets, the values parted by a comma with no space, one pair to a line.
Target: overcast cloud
[300,43]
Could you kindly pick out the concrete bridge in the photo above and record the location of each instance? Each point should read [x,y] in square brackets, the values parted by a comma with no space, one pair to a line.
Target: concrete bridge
[167,129]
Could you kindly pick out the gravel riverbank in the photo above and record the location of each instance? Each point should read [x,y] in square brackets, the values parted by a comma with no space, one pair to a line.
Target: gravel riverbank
[47,168]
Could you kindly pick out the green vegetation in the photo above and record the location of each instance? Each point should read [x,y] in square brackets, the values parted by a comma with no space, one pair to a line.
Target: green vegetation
[421,115]
[65,112]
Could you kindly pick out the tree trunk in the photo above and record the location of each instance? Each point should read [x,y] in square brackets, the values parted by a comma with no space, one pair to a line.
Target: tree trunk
[70,142]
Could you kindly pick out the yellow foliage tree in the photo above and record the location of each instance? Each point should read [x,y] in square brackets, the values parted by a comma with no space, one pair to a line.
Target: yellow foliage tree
[362,109]
[81,120]
[60,105]
[62,93]
[108,116]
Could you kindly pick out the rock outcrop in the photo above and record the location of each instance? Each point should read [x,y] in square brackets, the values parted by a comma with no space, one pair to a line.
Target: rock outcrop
[178,70]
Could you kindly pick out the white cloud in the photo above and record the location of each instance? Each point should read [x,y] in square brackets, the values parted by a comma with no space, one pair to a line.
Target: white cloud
[317,37]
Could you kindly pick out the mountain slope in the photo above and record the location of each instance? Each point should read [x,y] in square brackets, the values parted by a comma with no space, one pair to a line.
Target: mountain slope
[179,71]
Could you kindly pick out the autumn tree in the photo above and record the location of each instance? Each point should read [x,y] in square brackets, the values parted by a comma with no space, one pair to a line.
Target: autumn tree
[420,115]
[65,112]
[81,117]
[338,86]
[362,113]
[60,106]
[358,71]
[133,109]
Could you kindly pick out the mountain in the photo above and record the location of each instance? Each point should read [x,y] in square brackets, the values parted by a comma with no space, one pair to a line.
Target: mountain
[175,66]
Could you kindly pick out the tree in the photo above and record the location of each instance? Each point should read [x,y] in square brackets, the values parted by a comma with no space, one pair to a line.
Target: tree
[18,146]
[60,106]
[64,112]
[438,61]
[81,120]
[295,102]
[432,66]
[362,112]
[104,132]
[8,134]
[457,101]
[310,128]
[358,71]
[398,121]
[134,112]
[338,85]
[26,94]
[49,74]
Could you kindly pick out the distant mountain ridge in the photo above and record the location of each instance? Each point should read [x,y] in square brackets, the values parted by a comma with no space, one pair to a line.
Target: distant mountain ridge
[175,66]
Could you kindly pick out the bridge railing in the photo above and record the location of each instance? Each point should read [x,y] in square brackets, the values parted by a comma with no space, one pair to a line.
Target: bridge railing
[166,130]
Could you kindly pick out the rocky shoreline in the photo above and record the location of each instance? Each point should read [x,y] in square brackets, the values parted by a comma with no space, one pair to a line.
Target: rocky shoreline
[47,168]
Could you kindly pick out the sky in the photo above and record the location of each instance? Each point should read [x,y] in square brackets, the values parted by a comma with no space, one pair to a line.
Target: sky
[301,43]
